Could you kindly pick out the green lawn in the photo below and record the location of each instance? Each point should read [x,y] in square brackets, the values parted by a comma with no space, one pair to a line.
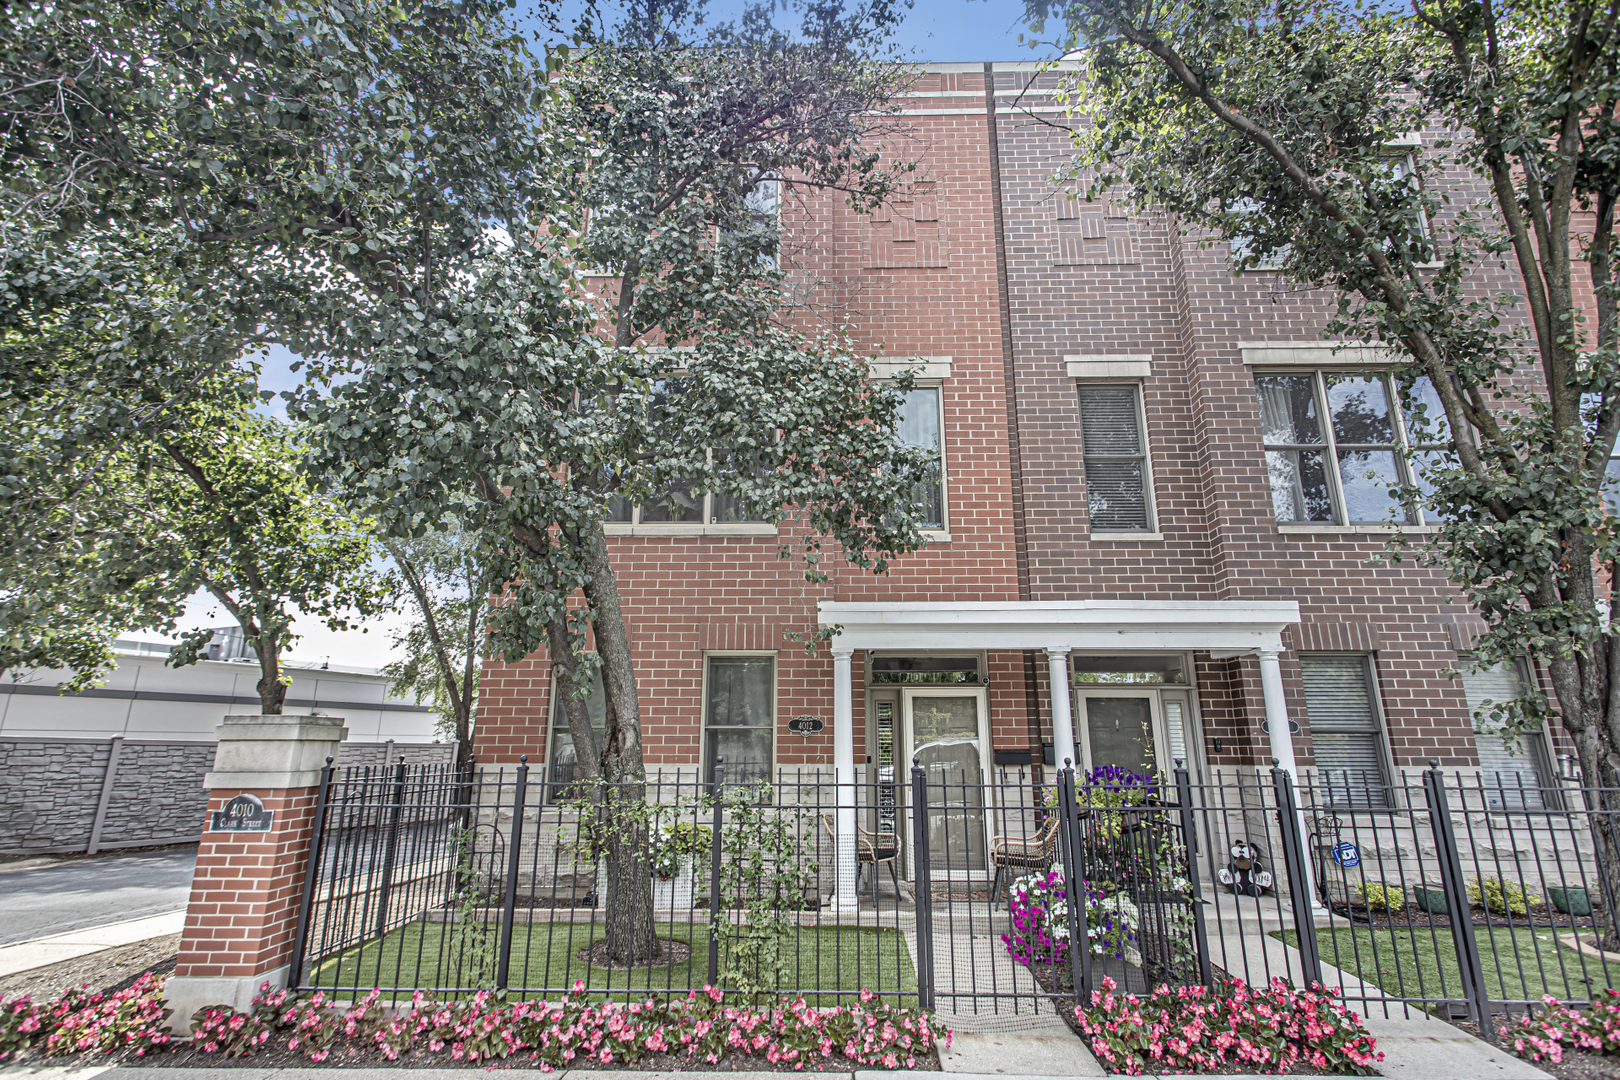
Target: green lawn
[440,956]
[1523,965]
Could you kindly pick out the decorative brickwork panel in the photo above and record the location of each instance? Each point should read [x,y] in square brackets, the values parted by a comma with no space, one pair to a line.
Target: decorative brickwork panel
[907,232]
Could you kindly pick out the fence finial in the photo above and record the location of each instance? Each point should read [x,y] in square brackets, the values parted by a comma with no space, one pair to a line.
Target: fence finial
[1068,763]
[1434,763]
[329,760]
[523,759]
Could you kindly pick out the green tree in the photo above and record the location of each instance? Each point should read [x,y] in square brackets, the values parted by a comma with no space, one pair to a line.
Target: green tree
[251,528]
[1284,127]
[503,386]
[443,644]
[180,182]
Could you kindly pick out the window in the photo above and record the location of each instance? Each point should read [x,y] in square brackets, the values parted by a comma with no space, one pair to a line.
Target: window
[1513,776]
[1114,457]
[738,717]
[1339,472]
[1429,435]
[1346,736]
[1155,668]
[925,669]
[920,426]
[683,502]
[564,774]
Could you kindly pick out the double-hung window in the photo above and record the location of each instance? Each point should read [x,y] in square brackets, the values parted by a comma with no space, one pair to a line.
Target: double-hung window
[1332,443]
[1517,775]
[1347,736]
[1114,456]
[737,718]
[922,425]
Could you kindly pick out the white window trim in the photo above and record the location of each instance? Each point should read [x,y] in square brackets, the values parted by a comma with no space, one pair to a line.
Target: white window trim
[701,527]
[1317,354]
[1108,366]
[1152,532]
[703,706]
[926,367]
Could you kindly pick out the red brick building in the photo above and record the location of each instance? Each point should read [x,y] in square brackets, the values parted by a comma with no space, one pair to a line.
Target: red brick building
[1155,484]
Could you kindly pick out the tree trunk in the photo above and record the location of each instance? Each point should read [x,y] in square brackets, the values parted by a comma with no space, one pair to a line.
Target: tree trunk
[631,937]
[272,692]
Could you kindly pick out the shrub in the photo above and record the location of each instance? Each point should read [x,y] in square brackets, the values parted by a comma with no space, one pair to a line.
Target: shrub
[1190,1029]
[21,1024]
[1375,897]
[1501,897]
[130,1019]
[1542,1037]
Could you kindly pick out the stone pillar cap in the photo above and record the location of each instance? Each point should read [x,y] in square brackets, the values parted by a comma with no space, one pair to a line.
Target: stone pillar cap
[261,751]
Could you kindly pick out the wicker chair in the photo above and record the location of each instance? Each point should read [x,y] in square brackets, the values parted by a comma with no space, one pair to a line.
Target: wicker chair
[1008,853]
[870,849]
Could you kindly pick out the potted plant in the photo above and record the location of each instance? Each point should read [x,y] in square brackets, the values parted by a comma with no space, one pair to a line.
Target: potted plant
[674,860]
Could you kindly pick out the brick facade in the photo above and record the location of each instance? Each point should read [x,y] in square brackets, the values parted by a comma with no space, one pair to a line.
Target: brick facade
[921,279]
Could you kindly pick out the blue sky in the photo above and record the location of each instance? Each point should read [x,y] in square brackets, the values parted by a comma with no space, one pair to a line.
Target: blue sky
[934,30]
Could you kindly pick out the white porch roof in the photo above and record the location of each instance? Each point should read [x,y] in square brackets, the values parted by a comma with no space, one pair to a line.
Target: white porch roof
[1226,627]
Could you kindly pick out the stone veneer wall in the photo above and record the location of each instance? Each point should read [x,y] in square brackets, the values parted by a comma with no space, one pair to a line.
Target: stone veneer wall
[50,790]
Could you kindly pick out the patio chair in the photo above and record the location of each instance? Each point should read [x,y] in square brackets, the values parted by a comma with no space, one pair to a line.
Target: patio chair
[1008,853]
[870,849]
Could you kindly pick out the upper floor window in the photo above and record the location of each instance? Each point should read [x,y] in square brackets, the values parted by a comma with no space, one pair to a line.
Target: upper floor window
[922,425]
[1332,441]
[1119,496]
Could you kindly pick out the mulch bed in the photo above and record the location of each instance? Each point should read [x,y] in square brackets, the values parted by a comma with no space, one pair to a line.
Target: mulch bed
[180,1054]
[596,955]
[1539,916]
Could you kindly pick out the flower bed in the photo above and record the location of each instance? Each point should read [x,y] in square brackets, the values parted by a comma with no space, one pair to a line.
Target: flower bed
[698,1030]
[1558,1027]
[1190,1030]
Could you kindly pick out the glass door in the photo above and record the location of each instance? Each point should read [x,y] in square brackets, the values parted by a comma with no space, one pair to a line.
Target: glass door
[1120,727]
[945,732]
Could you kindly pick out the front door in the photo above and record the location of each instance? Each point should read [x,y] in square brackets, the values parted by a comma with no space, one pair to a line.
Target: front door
[1119,726]
[945,733]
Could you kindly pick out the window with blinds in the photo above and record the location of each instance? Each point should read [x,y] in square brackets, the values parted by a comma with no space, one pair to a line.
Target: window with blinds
[1114,457]
[1347,739]
[1513,776]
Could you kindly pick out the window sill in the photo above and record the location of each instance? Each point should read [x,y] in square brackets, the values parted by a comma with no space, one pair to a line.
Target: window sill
[691,528]
[1354,530]
[935,536]
[1116,537]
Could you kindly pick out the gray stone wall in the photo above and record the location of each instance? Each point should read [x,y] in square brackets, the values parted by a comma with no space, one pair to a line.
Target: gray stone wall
[51,790]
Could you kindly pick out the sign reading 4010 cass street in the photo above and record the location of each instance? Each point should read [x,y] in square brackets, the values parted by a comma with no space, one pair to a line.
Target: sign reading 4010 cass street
[245,813]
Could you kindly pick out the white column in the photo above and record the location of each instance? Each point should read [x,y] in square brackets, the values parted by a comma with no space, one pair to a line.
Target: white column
[1281,737]
[845,899]
[1057,657]
[1271,685]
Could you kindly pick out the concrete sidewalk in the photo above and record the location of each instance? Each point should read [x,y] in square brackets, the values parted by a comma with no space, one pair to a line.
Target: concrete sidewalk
[37,952]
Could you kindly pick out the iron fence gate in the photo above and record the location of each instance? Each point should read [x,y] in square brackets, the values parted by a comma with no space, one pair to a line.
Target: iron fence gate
[1445,894]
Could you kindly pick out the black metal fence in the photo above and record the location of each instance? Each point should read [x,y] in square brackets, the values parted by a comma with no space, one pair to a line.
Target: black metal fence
[954,892]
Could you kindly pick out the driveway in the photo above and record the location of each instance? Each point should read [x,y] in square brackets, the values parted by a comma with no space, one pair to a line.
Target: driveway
[70,894]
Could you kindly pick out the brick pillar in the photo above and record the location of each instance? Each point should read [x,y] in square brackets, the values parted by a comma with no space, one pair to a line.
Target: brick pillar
[247,885]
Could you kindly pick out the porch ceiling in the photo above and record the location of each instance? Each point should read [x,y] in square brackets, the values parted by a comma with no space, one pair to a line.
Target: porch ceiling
[1222,626]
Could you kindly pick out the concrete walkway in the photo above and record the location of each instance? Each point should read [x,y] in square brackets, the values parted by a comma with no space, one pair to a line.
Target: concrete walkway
[37,952]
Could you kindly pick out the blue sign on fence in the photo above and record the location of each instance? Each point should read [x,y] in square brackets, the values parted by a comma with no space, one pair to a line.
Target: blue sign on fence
[1348,856]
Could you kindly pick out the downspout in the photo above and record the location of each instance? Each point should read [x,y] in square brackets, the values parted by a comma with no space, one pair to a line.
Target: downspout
[1032,697]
